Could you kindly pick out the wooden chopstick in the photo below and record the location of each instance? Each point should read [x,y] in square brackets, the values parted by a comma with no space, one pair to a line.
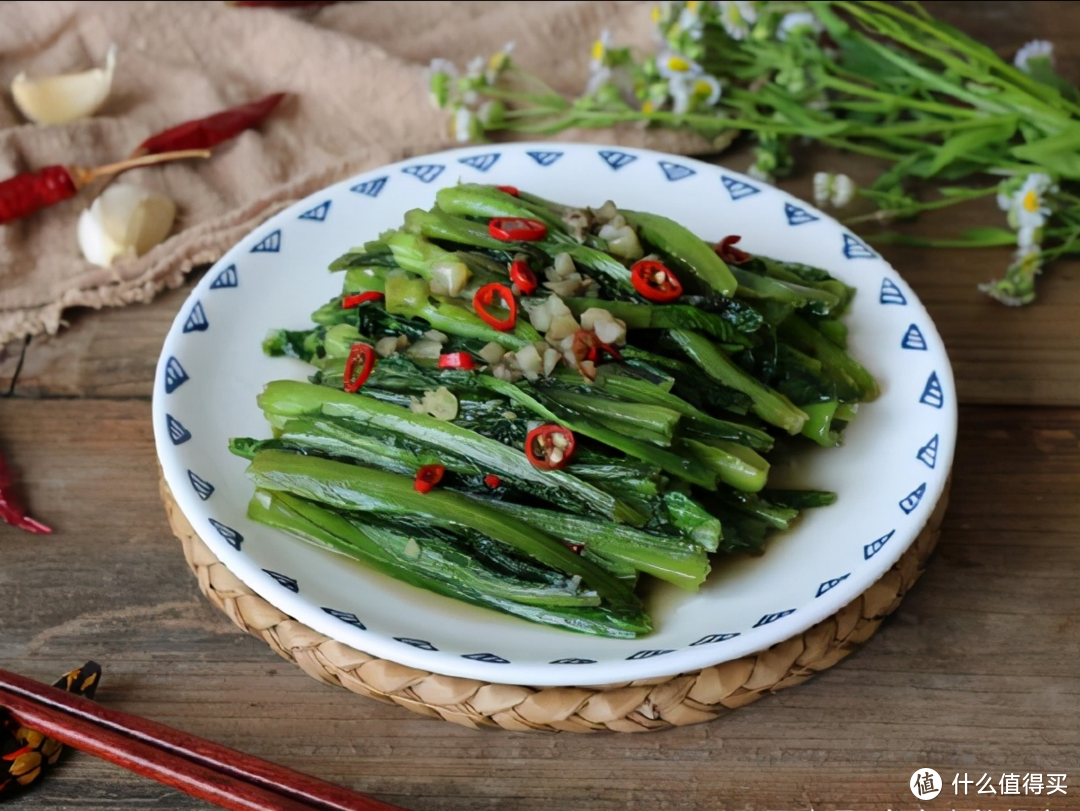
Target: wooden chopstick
[207,770]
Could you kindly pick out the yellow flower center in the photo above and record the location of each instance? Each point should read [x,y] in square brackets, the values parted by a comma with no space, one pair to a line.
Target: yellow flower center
[648,107]
[692,6]
[598,50]
[497,61]
[702,88]
[1031,202]
[678,64]
[656,14]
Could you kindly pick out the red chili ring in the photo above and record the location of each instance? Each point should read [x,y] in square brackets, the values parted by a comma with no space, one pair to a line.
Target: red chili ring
[485,297]
[358,352]
[511,190]
[644,275]
[729,253]
[427,477]
[516,229]
[457,360]
[356,300]
[543,439]
[521,275]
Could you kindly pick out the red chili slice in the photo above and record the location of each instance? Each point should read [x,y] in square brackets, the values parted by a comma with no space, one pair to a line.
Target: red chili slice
[729,253]
[457,360]
[655,281]
[486,296]
[516,229]
[549,447]
[511,190]
[492,481]
[427,477]
[365,356]
[349,302]
[588,347]
[521,275]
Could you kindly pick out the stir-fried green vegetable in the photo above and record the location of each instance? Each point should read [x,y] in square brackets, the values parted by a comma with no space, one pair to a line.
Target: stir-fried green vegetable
[525,406]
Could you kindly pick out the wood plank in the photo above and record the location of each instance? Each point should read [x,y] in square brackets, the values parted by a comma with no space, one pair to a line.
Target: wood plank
[977,671]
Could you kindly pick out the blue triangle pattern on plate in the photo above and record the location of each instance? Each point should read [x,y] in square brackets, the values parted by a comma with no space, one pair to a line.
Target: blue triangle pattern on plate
[175,376]
[909,502]
[874,547]
[371,188]
[227,278]
[573,662]
[913,339]
[196,320]
[490,658]
[676,171]
[854,249]
[284,580]
[738,189]
[545,158]
[928,453]
[425,172]
[829,585]
[416,643]
[647,654]
[616,160]
[202,487]
[270,243]
[231,536]
[177,432]
[346,617]
[711,638]
[890,293]
[933,395]
[798,216]
[481,162]
[770,618]
[318,213]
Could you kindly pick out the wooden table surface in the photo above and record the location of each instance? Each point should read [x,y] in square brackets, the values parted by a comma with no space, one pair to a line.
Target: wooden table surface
[977,672]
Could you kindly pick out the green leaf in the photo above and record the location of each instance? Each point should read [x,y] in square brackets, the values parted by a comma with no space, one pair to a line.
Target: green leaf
[1058,154]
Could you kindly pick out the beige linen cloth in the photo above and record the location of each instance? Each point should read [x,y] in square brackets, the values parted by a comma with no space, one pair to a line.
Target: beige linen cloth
[356,78]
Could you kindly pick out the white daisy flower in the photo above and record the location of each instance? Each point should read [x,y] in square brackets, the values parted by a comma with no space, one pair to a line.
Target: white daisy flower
[464,125]
[832,189]
[670,64]
[737,16]
[1027,206]
[1028,237]
[498,62]
[690,19]
[794,20]
[1036,49]
[689,92]
[680,88]
[475,67]
[600,47]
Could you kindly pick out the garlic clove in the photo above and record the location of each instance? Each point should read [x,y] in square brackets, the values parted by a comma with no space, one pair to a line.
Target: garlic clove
[64,98]
[124,222]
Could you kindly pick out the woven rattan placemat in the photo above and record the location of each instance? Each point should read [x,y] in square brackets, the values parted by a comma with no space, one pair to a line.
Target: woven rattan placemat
[638,706]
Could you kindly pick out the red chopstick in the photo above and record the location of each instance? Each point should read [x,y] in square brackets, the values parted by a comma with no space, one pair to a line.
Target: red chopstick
[201,768]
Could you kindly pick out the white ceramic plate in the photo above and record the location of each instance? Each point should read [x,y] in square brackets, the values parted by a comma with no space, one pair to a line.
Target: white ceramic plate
[888,475]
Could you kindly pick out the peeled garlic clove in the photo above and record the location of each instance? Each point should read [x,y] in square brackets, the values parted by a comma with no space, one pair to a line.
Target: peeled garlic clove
[124,222]
[64,98]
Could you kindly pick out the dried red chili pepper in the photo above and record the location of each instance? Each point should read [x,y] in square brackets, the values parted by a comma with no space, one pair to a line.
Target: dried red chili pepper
[11,508]
[427,477]
[26,193]
[457,360]
[516,229]
[486,296]
[364,355]
[729,253]
[492,481]
[204,133]
[349,302]
[549,447]
[521,275]
[511,190]
[655,281]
